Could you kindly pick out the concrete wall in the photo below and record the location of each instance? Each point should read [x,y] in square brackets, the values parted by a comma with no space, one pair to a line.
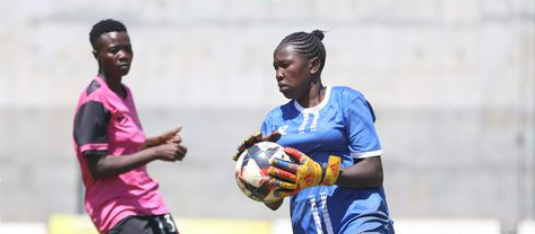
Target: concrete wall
[451,82]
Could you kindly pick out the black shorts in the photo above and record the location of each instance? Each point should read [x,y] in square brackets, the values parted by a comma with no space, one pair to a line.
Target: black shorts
[152,224]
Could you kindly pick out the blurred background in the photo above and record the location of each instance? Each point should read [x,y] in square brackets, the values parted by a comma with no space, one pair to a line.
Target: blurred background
[451,81]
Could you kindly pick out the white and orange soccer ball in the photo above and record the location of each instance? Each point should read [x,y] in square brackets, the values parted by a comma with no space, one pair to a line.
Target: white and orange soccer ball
[252,170]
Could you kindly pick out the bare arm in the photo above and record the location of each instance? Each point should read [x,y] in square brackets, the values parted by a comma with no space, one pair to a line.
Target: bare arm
[366,173]
[171,136]
[106,166]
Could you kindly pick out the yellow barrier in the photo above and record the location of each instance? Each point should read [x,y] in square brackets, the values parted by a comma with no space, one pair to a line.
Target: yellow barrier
[222,226]
[71,224]
[81,224]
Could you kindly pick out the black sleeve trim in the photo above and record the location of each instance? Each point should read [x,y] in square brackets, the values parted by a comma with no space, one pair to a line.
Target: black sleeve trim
[92,87]
[94,153]
[91,123]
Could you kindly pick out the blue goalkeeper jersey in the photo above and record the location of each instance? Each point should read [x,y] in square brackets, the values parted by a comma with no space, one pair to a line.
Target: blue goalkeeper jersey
[343,125]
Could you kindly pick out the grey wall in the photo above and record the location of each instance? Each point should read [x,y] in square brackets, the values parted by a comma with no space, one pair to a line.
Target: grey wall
[451,82]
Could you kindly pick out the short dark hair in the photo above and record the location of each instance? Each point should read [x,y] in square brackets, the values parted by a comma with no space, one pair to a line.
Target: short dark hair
[105,26]
[307,44]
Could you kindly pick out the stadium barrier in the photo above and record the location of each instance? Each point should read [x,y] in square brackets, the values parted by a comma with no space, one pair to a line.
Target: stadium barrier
[80,224]
[447,226]
[22,228]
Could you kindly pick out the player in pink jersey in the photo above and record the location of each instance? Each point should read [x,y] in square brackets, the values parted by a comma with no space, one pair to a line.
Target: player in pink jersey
[120,196]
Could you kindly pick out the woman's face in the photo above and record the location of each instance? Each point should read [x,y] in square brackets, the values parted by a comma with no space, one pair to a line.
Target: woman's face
[114,53]
[292,71]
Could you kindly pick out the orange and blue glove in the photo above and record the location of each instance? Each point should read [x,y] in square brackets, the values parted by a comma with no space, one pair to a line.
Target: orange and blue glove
[292,177]
[253,139]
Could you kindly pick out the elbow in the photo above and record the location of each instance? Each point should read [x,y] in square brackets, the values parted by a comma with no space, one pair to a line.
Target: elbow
[97,168]
[97,174]
[375,179]
[377,175]
[379,179]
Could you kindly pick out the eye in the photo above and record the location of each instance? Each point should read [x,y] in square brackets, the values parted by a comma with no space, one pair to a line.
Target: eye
[281,64]
[113,50]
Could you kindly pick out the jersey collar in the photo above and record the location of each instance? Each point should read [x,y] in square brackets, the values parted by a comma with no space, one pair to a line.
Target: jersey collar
[317,108]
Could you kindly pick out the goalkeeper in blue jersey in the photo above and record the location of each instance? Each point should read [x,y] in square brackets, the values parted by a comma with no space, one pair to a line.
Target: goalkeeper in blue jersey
[335,180]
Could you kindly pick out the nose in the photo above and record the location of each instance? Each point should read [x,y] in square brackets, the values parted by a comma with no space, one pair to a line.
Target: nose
[279,74]
[125,55]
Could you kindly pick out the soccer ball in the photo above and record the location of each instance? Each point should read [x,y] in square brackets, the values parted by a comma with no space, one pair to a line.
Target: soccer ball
[252,170]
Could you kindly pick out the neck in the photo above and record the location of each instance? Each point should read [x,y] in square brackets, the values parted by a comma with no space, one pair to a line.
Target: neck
[113,82]
[314,96]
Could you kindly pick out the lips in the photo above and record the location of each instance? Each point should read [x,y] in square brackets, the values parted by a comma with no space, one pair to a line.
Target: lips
[283,87]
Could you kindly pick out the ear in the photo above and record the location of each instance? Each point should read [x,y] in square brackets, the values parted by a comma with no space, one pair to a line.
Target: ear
[314,65]
[95,54]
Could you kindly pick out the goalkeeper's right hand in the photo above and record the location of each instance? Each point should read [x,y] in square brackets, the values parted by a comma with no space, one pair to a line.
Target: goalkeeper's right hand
[253,139]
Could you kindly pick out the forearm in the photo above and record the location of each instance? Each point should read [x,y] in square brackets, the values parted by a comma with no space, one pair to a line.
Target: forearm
[110,165]
[152,141]
[367,173]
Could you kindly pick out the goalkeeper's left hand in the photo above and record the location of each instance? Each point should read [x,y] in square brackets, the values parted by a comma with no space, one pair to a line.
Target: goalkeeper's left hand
[293,177]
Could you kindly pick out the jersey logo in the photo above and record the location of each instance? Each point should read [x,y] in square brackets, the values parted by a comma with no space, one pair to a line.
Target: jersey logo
[282,130]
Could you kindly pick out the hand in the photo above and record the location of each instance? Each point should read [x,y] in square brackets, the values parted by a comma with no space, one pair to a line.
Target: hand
[302,174]
[171,136]
[253,139]
[170,152]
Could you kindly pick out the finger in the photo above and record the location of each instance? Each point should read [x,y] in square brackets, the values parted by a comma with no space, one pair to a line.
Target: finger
[249,141]
[281,193]
[273,137]
[179,157]
[167,157]
[281,184]
[175,139]
[282,174]
[295,154]
[176,130]
[257,137]
[172,132]
[182,151]
[284,165]
[245,143]
[235,156]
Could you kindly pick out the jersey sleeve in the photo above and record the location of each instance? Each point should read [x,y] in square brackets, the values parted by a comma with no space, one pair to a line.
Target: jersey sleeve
[363,139]
[265,128]
[91,129]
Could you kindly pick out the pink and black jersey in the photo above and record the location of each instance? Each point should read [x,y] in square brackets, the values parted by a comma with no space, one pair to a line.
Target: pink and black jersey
[107,124]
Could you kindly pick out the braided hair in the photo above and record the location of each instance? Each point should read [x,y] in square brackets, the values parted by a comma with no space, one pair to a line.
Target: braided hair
[308,45]
[105,26]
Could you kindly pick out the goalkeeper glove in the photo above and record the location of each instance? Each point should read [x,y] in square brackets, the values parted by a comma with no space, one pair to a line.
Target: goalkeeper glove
[253,139]
[293,177]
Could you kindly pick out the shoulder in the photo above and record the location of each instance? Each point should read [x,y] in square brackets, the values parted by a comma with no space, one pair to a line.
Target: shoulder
[94,91]
[93,94]
[346,94]
[279,111]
